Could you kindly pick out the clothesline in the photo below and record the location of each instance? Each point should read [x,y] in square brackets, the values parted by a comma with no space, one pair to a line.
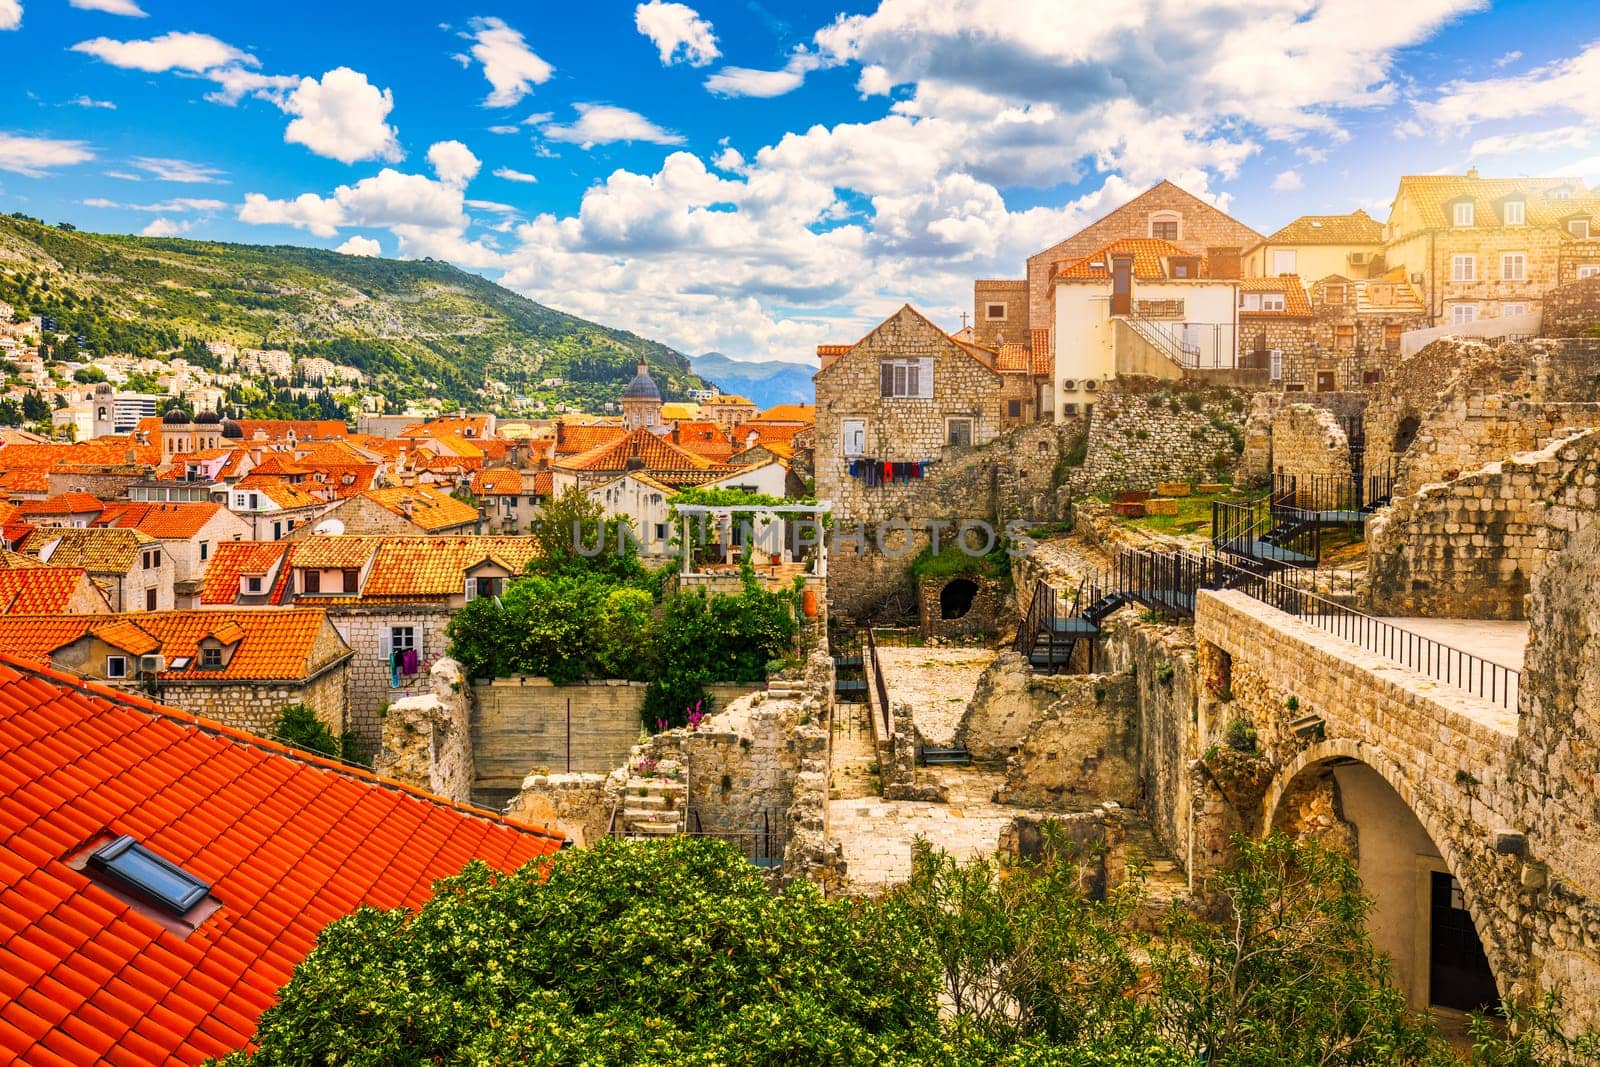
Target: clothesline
[887,472]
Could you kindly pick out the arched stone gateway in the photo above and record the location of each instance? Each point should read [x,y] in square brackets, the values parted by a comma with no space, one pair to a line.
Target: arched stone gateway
[956,598]
[1428,908]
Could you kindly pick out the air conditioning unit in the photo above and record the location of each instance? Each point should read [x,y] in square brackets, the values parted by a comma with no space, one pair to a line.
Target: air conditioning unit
[152,664]
[1090,384]
[1358,258]
[1069,384]
[1416,278]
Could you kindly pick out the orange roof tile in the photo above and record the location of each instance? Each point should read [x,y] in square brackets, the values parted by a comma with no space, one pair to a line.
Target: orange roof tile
[497,481]
[436,566]
[1147,252]
[572,439]
[1015,358]
[64,504]
[233,560]
[176,521]
[97,551]
[1433,193]
[791,412]
[303,429]
[1043,363]
[429,508]
[703,439]
[19,480]
[100,452]
[287,842]
[38,590]
[13,560]
[1296,304]
[656,453]
[1356,228]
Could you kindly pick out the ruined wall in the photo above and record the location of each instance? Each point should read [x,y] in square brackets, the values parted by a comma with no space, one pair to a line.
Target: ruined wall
[980,620]
[578,805]
[1140,435]
[427,737]
[1081,751]
[257,706]
[1468,548]
[1573,310]
[1307,441]
[519,726]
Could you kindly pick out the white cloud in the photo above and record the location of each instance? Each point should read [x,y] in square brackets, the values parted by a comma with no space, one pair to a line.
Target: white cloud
[10,14]
[166,228]
[343,117]
[874,81]
[111,7]
[178,170]
[235,82]
[505,129]
[511,67]
[1570,86]
[91,102]
[37,156]
[514,175]
[677,27]
[1288,181]
[492,206]
[387,199]
[307,211]
[1533,141]
[747,81]
[454,163]
[728,159]
[1311,153]
[1509,58]
[176,205]
[170,51]
[360,246]
[608,124]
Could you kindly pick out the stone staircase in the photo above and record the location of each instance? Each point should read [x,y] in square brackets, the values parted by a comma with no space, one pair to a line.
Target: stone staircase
[1164,881]
[853,753]
[655,804]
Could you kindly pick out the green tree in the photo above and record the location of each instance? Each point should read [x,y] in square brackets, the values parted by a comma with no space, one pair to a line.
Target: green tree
[87,375]
[34,407]
[299,726]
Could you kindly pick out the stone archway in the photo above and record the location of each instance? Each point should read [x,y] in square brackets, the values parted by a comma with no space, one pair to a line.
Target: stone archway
[1405,433]
[1407,856]
[956,598]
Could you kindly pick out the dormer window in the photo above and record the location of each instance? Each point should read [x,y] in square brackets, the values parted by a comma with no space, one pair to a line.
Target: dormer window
[1461,214]
[1272,302]
[211,657]
[1579,228]
[1515,212]
[1184,268]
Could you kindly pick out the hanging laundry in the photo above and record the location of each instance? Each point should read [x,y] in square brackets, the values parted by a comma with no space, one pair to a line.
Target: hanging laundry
[408,661]
[394,669]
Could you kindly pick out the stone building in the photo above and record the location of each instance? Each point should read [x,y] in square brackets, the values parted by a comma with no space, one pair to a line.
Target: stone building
[1315,246]
[397,511]
[133,569]
[1483,248]
[239,668]
[641,400]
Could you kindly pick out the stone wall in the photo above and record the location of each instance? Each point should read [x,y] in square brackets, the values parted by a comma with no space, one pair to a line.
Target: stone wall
[256,706]
[1097,840]
[980,620]
[1573,310]
[1307,441]
[1469,548]
[370,692]
[578,805]
[1013,326]
[427,737]
[1082,751]
[1139,436]
[520,726]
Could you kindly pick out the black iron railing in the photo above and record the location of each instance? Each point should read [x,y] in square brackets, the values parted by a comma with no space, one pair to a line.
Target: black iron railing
[1267,530]
[762,845]
[881,690]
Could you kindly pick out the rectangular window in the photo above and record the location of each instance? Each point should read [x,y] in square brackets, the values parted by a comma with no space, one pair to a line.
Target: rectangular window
[1344,338]
[1511,311]
[141,873]
[277,531]
[906,378]
[1514,267]
[1462,314]
[116,666]
[1275,365]
[211,658]
[1516,212]
[352,579]
[1284,261]
[1391,334]
[994,311]
[855,437]
[311,581]
[1013,409]
[205,551]
[661,533]
[1272,302]
[402,638]
[958,432]
[1461,215]
[1250,302]
[1463,268]
[150,599]
[1333,294]
[1166,230]
[1579,228]
[252,585]
[1589,270]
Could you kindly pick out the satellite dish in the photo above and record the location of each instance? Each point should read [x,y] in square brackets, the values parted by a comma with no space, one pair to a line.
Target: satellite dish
[329,527]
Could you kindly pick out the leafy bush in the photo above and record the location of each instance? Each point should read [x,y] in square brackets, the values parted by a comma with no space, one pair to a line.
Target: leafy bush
[299,726]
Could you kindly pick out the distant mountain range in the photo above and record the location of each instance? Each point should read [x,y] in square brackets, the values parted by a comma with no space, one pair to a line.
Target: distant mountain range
[418,328]
[764,383]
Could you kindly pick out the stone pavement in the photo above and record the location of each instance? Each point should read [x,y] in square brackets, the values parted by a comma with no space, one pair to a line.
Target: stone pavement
[936,682]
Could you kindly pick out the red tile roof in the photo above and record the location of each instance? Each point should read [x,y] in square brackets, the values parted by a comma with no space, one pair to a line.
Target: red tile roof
[804,413]
[101,452]
[64,504]
[574,439]
[287,842]
[1296,304]
[233,560]
[1148,254]
[1356,228]
[19,480]
[179,521]
[429,508]
[656,453]
[42,590]
[497,481]
[1043,364]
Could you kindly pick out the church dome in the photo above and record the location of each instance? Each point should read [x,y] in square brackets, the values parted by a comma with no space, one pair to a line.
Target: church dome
[175,417]
[643,387]
[207,418]
[232,430]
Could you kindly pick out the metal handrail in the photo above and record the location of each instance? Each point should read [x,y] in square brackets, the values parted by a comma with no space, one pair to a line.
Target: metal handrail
[1161,339]
[878,684]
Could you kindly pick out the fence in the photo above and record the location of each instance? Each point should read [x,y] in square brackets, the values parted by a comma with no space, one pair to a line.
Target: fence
[876,684]
[1266,530]
[763,846]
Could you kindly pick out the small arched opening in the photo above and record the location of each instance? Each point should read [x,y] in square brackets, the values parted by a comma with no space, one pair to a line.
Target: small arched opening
[1406,433]
[956,598]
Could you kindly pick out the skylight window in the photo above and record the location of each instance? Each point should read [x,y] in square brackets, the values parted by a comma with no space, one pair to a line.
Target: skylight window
[146,876]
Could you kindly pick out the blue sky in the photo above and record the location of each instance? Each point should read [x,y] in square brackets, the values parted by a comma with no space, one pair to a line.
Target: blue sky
[756,177]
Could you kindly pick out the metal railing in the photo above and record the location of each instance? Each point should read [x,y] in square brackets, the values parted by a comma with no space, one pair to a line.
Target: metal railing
[763,846]
[1266,530]
[1185,343]
[881,690]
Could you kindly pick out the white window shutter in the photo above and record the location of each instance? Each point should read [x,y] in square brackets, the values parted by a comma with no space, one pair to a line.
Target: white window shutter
[925,378]
[383,644]
[468,588]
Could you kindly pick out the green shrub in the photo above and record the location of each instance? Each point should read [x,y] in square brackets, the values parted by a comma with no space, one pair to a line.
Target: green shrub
[299,726]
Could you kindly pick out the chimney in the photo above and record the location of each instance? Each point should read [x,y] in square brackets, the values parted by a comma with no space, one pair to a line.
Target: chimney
[1472,172]
[405,506]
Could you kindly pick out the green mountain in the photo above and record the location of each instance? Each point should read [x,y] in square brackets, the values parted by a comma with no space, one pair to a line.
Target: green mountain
[418,328]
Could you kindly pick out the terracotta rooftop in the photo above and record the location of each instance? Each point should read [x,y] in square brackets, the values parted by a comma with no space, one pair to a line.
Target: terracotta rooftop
[286,842]
[21,480]
[100,452]
[40,590]
[429,509]
[572,439]
[272,645]
[1434,193]
[654,452]
[803,413]
[175,521]
[95,550]
[1356,228]
[1295,302]
[233,560]
[497,481]
[64,504]
[435,566]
